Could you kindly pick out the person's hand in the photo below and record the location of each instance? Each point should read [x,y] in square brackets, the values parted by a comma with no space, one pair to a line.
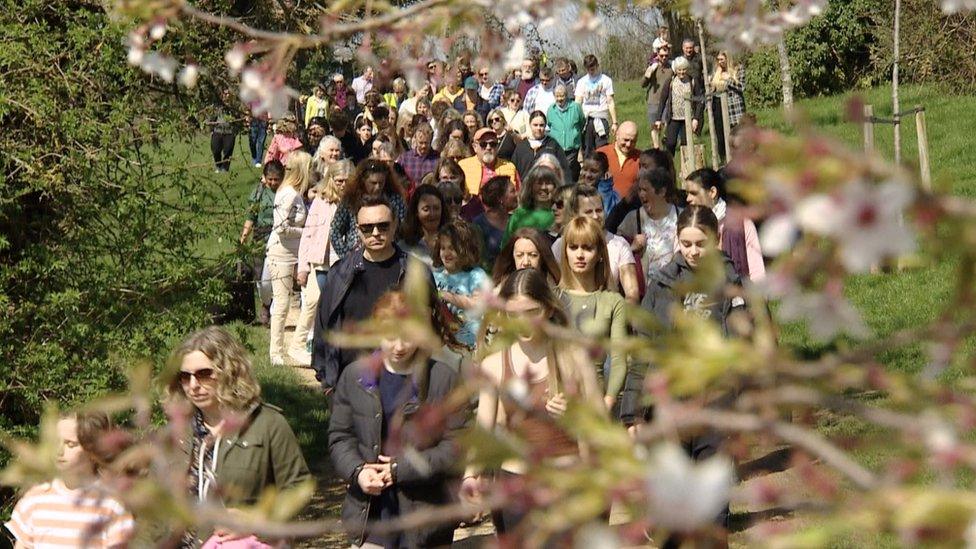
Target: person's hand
[471,489]
[225,534]
[613,128]
[556,405]
[302,278]
[369,481]
[657,125]
[384,469]
[640,241]
[649,70]
[609,400]
[694,125]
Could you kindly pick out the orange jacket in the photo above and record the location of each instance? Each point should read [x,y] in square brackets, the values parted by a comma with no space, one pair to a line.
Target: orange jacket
[472,169]
[624,177]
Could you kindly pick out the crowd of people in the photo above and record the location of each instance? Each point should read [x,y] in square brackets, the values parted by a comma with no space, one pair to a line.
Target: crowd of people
[531,189]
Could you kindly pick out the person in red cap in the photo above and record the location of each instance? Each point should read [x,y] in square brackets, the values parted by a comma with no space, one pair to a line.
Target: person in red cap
[481,167]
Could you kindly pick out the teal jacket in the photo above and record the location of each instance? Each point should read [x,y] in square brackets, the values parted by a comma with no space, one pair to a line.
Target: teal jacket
[566,125]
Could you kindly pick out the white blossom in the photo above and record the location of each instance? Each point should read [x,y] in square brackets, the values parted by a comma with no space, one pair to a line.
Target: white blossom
[160,65]
[136,48]
[685,495]
[778,234]
[940,437]
[157,31]
[189,75]
[515,54]
[956,6]
[828,314]
[266,92]
[235,58]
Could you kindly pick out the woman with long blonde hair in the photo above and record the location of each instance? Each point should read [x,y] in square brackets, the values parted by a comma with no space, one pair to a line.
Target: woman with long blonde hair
[728,77]
[238,446]
[315,253]
[592,307]
[284,244]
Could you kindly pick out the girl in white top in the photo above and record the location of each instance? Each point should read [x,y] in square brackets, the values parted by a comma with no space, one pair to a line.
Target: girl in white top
[283,245]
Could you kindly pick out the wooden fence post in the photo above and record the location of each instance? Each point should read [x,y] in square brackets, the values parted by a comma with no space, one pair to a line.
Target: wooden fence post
[688,156]
[923,148]
[726,125]
[868,129]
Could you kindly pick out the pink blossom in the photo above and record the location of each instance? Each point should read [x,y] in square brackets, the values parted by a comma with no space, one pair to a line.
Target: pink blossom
[684,495]
[828,314]
[265,91]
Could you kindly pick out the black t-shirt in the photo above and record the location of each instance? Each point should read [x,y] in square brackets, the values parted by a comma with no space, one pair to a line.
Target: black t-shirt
[367,287]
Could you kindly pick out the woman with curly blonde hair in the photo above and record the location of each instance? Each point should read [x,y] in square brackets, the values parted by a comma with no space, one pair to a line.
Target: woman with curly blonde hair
[238,445]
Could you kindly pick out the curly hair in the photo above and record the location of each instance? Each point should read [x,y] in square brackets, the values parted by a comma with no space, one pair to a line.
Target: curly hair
[353,194]
[465,240]
[236,388]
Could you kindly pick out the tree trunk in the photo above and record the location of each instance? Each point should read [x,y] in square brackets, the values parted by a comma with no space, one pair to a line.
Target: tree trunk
[785,73]
[895,104]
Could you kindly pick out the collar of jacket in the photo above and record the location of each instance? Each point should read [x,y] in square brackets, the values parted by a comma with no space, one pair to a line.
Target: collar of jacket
[369,380]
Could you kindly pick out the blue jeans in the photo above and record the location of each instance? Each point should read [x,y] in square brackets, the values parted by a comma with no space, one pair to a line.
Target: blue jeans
[320,278]
[258,133]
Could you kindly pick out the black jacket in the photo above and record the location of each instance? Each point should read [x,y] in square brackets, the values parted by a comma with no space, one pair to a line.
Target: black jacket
[718,305]
[355,429]
[524,157]
[326,359]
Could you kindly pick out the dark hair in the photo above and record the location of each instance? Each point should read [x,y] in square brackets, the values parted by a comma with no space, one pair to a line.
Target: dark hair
[380,111]
[733,234]
[274,167]
[600,158]
[465,240]
[450,164]
[353,194]
[493,191]
[448,129]
[658,178]
[505,262]
[339,120]
[699,217]
[372,201]
[536,114]
[535,176]
[545,71]
[659,158]
[709,178]
[534,284]
[590,61]
[412,231]
[319,121]
[582,191]
[92,427]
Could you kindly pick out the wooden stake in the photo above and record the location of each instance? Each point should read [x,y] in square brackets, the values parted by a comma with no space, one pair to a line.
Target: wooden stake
[712,132]
[895,104]
[923,148]
[868,129]
[726,125]
[688,157]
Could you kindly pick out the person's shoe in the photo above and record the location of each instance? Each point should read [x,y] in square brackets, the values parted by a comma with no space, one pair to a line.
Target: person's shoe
[301,357]
[277,360]
[257,164]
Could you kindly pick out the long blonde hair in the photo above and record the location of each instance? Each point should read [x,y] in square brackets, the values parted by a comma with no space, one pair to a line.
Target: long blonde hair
[297,167]
[327,189]
[584,231]
[236,388]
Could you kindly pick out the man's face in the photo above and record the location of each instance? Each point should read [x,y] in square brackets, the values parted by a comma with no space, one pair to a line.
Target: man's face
[538,127]
[376,227]
[483,76]
[374,184]
[272,181]
[546,81]
[662,54]
[592,207]
[626,138]
[563,71]
[594,70]
[487,150]
[368,74]
[528,72]
[421,143]
[688,48]
[560,95]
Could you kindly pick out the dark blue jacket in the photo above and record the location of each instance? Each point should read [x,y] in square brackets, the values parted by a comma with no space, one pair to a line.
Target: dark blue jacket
[326,359]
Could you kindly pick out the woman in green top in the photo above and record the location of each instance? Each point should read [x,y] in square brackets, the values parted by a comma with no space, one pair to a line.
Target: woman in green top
[592,308]
[535,202]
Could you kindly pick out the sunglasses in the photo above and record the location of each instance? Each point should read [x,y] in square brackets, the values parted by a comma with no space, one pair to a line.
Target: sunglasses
[488,144]
[204,374]
[496,119]
[558,204]
[482,74]
[369,228]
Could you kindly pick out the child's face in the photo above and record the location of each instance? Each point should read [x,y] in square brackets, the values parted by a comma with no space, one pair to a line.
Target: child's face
[698,195]
[72,458]
[449,256]
[589,173]
[693,243]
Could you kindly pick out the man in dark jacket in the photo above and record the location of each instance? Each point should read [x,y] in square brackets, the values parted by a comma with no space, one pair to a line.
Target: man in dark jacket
[354,284]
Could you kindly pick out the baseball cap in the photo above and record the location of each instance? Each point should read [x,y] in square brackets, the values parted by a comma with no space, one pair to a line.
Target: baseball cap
[484,132]
[470,83]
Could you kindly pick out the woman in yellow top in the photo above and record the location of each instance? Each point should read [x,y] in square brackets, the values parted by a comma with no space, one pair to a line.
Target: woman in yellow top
[317,104]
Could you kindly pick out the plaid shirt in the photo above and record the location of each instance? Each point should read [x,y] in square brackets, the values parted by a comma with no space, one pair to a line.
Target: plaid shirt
[494,95]
[737,103]
[417,166]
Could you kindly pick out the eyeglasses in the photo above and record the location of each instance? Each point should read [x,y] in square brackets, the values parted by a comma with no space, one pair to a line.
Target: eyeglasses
[488,144]
[496,119]
[369,228]
[201,375]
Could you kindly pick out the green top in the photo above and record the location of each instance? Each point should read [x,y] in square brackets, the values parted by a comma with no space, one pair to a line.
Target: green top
[260,207]
[601,314]
[540,219]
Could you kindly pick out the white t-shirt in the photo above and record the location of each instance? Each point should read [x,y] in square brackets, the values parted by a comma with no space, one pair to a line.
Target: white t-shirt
[618,252]
[593,94]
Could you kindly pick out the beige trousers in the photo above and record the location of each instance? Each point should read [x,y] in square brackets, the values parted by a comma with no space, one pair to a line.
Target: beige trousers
[310,304]
[282,275]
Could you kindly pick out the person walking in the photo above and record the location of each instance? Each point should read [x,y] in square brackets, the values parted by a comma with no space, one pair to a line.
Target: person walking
[594,93]
[623,158]
[283,245]
[223,134]
[537,143]
[535,201]
[656,77]
[729,78]
[683,89]
[258,225]
[566,123]
[485,163]
[257,133]
[362,84]
[317,105]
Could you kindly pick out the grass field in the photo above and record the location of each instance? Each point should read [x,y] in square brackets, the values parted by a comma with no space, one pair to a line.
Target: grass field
[888,302]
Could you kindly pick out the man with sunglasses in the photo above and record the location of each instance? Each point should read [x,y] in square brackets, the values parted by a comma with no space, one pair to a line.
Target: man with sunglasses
[354,285]
[485,163]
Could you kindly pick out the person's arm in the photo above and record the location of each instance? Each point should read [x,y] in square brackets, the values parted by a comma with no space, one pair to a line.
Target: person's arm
[754,257]
[246,231]
[287,461]
[272,152]
[323,354]
[618,357]
[628,281]
[664,112]
[343,442]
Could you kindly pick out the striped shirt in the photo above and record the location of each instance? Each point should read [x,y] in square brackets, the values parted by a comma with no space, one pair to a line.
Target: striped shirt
[51,516]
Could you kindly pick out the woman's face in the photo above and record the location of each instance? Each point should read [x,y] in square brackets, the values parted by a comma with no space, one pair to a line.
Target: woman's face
[693,244]
[471,123]
[510,201]
[331,152]
[543,191]
[722,61]
[514,102]
[429,212]
[340,182]
[698,196]
[73,460]
[648,196]
[589,173]
[398,352]
[582,257]
[449,256]
[497,123]
[538,127]
[423,109]
[198,378]
[374,184]
[526,309]
[558,209]
[526,255]
[682,73]
[315,135]
[364,131]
